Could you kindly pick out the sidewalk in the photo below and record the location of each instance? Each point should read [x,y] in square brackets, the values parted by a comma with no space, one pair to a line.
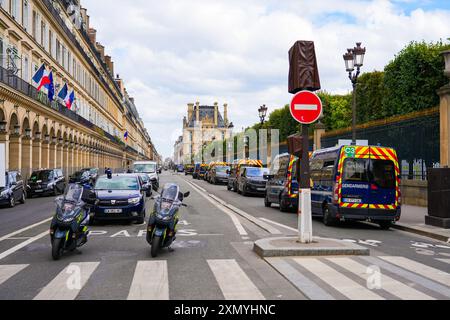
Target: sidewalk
[413,220]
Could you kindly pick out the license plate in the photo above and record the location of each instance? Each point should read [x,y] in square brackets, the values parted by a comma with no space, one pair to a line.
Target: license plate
[352,200]
[261,189]
[113,211]
[38,191]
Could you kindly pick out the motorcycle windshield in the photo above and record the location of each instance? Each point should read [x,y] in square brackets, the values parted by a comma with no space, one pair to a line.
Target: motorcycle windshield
[170,192]
[73,193]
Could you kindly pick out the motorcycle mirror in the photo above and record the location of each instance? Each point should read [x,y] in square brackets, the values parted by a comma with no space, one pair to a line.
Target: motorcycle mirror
[187,194]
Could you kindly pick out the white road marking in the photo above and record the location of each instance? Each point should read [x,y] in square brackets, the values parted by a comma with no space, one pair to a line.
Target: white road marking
[306,107]
[233,281]
[444,260]
[279,224]
[338,281]
[9,271]
[69,282]
[419,268]
[22,244]
[232,216]
[150,281]
[388,284]
[24,229]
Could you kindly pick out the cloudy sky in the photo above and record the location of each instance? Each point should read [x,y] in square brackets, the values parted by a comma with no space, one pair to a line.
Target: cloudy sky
[173,52]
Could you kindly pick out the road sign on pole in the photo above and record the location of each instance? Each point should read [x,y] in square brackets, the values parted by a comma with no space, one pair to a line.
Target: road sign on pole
[306,107]
[2,165]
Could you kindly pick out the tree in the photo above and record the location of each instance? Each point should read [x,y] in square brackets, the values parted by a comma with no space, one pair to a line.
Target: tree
[369,97]
[412,78]
[337,110]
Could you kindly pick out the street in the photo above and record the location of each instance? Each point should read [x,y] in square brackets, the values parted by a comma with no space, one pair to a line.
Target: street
[213,257]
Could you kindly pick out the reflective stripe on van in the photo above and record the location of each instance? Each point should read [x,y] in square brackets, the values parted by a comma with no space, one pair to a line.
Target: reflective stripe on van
[363,152]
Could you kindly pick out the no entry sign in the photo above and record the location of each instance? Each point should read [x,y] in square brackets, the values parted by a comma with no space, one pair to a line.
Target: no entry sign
[306,107]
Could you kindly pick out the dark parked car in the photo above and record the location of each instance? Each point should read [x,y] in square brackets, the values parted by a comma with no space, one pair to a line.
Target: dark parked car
[147,183]
[76,177]
[14,190]
[46,182]
[188,169]
[180,168]
[122,197]
[235,172]
[219,175]
[252,181]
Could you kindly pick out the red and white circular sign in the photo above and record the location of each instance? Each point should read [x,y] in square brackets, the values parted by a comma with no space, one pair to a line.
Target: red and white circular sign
[306,107]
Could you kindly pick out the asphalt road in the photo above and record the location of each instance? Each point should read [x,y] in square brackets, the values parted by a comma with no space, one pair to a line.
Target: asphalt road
[213,257]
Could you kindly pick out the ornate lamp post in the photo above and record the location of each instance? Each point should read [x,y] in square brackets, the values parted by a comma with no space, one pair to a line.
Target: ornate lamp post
[262,113]
[354,58]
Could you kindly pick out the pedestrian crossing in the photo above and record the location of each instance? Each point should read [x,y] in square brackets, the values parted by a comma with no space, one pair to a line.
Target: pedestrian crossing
[325,278]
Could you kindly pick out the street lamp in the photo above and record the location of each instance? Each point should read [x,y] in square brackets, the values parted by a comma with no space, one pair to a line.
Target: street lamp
[28,133]
[262,113]
[446,55]
[3,126]
[354,58]
[16,129]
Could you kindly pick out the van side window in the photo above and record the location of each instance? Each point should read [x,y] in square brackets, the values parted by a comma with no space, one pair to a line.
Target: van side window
[355,170]
[328,170]
[275,166]
[282,170]
[316,170]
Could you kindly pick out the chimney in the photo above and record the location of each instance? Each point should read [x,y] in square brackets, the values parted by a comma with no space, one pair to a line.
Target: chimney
[216,114]
[120,84]
[225,114]
[92,33]
[197,111]
[109,64]
[132,100]
[190,111]
[85,17]
[101,50]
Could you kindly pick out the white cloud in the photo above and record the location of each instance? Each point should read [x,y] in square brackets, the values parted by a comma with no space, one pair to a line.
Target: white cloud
[174,52]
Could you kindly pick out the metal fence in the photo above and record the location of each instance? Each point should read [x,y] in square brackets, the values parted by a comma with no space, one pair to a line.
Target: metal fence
[416,140]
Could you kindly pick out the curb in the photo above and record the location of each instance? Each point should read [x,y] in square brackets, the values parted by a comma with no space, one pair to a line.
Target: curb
[421,232]
[265,249]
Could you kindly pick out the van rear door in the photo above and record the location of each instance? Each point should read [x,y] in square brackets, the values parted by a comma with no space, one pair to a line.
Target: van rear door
[355,191]
[382,177]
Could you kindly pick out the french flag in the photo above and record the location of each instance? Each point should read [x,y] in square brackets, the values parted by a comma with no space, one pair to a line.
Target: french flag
[40,75]
[67,96]
[125,136]
[45,80]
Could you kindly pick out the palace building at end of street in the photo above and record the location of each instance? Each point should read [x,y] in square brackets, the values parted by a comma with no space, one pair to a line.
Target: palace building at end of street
[203,125]
[103,127]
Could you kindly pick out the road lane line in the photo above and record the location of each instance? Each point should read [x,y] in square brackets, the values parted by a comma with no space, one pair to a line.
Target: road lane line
[232,216]
[419,268]
[388,284]
[24,229]
[233,282]
[266,227]
[311,290]
[444,260]
[22,244]
[69,282]
[150,281]
[410,276]
[279,225]
[337,280]
[9,271]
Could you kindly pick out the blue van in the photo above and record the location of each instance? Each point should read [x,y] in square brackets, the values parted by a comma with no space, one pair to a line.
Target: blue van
[356,183]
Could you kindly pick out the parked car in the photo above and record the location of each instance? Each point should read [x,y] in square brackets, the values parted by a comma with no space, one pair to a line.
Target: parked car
[219,174]
[252,181]
[236,170]
[14,190]
[121,197]
[92,172]
[180,168]
[46,182]
[150,168]
[147,183]
[188,169]
[199,171]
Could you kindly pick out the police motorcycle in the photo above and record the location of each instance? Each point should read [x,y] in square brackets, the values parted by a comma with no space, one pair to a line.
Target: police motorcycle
[162,224]
[69,227]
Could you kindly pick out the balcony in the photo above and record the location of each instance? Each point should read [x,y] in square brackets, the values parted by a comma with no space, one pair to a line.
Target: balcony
[30,91]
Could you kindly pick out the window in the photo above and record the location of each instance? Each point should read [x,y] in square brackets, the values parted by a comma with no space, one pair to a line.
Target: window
[356,170]
[50,42]
[25,9]
[14,9]
[34,25]
[2,53]
[25,69]
[58,51]
[43,33]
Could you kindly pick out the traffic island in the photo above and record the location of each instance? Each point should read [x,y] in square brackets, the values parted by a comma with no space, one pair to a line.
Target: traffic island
[290,246]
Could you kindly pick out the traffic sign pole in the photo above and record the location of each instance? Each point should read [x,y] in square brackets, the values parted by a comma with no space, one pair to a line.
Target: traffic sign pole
[306,108]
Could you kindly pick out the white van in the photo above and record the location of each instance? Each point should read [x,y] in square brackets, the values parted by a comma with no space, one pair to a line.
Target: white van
[150,168]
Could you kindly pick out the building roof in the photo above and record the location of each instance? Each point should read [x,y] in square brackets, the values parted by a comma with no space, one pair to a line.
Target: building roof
[206,112]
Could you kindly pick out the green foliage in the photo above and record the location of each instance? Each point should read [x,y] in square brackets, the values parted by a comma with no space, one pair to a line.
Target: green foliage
[281,119]
[337,110]
[369,97]
[413,77]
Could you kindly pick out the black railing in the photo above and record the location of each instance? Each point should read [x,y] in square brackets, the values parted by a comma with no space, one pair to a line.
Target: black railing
[27,89]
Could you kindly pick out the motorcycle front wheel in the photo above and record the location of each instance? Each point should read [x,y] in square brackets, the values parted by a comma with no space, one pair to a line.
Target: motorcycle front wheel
[155,246]
[57,249]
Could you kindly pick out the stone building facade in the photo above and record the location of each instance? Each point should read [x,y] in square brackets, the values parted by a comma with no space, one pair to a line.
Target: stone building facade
[43,134]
